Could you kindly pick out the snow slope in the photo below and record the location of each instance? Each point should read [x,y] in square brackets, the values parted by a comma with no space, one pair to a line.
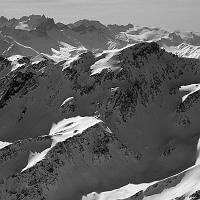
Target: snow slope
[186,50]
[184,185]
[60,132]
[190,89]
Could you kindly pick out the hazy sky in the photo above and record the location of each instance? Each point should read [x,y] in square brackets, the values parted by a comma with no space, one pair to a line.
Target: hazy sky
[171,14]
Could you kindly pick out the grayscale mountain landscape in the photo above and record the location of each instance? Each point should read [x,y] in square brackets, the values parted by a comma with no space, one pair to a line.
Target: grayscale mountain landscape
[94,111]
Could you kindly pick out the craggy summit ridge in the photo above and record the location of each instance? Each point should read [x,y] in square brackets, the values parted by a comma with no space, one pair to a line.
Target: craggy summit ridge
[134,122]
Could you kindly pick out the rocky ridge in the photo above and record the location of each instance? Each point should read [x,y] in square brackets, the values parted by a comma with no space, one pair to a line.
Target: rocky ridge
[142,123]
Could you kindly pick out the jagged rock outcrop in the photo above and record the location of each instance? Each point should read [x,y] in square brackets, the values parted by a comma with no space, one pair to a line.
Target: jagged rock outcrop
[3,21]
[46,25]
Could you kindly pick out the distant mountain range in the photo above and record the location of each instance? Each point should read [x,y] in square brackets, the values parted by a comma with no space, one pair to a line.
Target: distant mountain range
[35,34]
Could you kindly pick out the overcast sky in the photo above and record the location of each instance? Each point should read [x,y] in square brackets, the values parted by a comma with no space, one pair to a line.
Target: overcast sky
[171,14]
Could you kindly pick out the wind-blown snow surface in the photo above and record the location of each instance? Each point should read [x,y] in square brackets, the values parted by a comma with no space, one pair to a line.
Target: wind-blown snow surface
[184,185]
[189,51]
[190,89]
[99,122]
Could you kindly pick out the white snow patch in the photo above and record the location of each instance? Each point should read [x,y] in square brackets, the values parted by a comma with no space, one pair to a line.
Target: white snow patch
[35,158]
[14,58]
[67,100]
[14,61]
[105,63]
[143,34]
[65,52]
[4,144]
[121,193]
[189,88]
[188,185]
[23,26]
[198,153]
[69,127]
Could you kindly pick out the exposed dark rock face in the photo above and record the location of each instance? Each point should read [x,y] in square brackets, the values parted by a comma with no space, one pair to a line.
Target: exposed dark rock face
[195,196]
[47,24]
[20,81]
[120,28]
